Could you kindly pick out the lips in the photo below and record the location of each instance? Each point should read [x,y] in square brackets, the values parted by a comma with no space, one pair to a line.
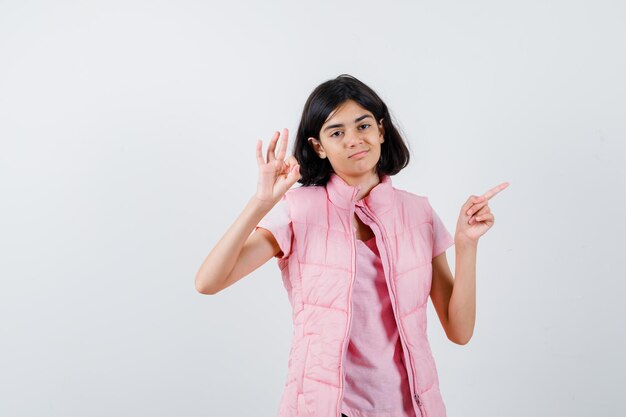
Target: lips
[358,153]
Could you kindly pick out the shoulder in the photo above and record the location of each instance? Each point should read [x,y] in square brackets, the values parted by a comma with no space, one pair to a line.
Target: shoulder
[305,198]
[416,203]
[303,191]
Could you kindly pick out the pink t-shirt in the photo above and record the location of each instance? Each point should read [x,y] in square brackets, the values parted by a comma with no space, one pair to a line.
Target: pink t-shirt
[376,382]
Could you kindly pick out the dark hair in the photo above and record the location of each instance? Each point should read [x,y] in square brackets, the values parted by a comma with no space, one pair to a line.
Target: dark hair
[326,97]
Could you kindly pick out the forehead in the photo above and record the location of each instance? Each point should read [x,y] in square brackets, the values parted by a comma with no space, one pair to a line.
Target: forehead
[347,112]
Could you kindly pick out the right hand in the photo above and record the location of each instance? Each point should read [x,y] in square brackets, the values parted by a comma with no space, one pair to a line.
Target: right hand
[276,176]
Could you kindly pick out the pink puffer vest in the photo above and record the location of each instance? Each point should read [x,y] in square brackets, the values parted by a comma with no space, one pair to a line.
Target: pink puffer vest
[319,274]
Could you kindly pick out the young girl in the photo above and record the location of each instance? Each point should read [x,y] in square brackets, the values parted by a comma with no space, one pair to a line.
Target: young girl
[358,258]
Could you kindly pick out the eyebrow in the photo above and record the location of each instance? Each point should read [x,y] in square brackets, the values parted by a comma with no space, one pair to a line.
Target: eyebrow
[357,120]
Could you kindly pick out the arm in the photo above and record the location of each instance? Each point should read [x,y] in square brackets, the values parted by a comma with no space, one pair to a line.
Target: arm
[455,299]
[237,253]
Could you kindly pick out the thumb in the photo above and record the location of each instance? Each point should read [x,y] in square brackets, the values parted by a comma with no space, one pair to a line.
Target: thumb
[294,174]
[292,160]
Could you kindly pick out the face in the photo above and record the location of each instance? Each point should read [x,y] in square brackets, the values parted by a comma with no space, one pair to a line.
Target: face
[348,130]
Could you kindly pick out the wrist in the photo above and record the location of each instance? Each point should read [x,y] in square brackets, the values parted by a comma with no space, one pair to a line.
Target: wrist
[261,203]
[465,244]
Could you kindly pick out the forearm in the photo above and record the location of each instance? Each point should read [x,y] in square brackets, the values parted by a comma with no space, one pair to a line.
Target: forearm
[462,307]
[222,258]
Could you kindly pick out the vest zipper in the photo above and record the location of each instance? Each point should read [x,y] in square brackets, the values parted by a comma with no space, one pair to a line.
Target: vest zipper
[346,336]
[394,304]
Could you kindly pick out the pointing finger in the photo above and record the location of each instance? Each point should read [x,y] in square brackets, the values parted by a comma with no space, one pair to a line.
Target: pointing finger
[495,190]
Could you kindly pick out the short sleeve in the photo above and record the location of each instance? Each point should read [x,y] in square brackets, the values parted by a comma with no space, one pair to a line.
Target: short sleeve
[278,222]
[442,239]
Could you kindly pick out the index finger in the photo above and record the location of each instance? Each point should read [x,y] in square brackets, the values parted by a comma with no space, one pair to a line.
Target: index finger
[495,190]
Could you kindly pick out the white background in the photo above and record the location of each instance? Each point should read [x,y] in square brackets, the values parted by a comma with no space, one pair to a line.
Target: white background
[128,133]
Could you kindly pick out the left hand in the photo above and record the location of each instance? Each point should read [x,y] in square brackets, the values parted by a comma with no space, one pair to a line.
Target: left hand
[476,217]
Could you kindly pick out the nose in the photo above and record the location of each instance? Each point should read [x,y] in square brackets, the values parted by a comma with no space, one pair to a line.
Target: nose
[355,138]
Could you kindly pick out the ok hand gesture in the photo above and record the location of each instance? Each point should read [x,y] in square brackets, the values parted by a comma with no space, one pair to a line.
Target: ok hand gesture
[276,175]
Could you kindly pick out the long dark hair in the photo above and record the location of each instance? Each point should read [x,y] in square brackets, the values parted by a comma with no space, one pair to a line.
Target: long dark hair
[326,97]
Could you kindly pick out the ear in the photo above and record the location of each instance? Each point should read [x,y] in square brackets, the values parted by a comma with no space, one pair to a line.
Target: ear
[382,130]
[317,147]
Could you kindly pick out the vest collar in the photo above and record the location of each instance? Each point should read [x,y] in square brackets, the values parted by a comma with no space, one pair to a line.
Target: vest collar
[342,194]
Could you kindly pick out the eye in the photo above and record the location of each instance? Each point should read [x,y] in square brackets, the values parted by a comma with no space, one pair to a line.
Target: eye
[364,126]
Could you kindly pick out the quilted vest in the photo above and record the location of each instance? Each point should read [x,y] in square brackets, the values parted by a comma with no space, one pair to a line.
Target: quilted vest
[319,274]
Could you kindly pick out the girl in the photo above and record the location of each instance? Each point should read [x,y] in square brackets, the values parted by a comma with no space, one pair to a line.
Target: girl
[359,259]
